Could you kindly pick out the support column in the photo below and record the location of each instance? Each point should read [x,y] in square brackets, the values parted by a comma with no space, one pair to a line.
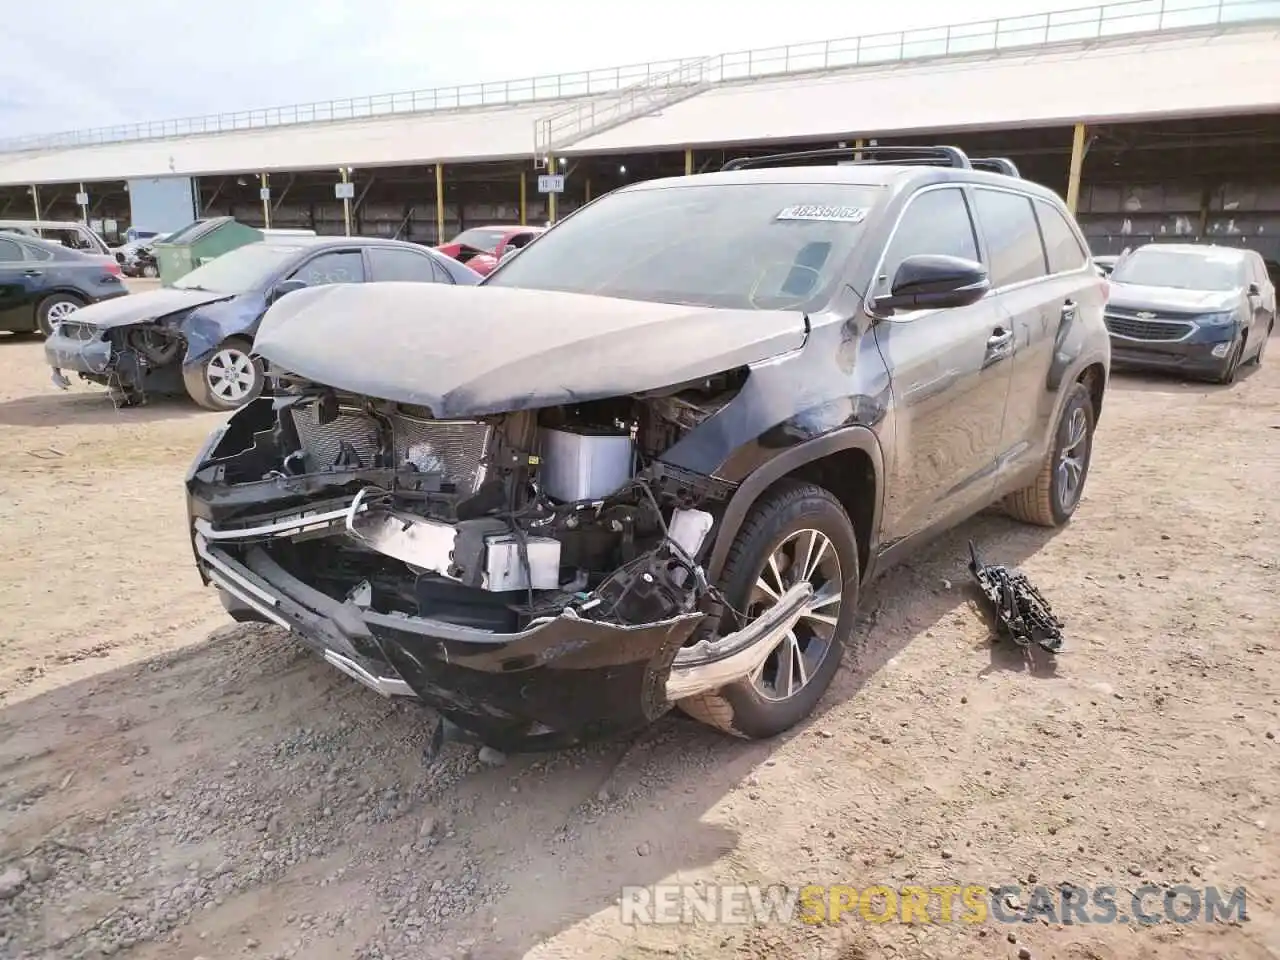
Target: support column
[266,202]
[524,198]
[857,145]
[35,200]
[688,162]
[439,203]
[551,197]
[82,194]
[346,203]
[1077,166]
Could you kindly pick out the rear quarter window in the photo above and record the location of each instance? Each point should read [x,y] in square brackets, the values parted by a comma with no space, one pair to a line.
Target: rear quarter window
[1061,244]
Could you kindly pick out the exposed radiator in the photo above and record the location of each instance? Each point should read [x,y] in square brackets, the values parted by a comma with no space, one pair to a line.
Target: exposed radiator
[455,449]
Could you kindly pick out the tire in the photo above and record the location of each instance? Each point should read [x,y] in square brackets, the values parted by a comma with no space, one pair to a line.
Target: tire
[216,390]
[787,520]
[150,271]
[55,308]
[1228,373]
[1048,501]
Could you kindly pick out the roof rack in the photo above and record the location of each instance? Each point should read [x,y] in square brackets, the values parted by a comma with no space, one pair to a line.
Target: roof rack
[996,165]
[942,156]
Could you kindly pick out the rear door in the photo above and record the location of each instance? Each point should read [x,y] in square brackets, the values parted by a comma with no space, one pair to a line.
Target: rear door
[1041,274]
[949,371]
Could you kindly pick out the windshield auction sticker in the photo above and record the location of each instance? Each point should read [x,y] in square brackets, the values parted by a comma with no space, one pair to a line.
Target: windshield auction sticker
[824,214]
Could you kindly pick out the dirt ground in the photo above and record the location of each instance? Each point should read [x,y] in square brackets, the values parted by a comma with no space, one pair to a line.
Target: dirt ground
[175,786]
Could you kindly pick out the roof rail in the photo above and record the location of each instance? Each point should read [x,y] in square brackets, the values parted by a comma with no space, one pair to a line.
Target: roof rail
[943,156]
[996,165]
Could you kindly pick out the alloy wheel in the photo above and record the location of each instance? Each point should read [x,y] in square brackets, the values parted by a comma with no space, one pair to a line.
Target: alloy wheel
[1073,459]
[230,375]
[803,555]
[60,311]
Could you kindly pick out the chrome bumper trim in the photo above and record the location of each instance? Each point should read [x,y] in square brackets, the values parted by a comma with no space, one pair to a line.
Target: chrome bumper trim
[299,523]
[387,686]
[741,652]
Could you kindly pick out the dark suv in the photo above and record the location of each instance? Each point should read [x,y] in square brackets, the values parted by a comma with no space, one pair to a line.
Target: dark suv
[655,456]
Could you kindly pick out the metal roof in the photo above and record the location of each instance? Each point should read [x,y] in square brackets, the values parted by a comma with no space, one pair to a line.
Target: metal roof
[1191,58]
[1214,74]
[466,135]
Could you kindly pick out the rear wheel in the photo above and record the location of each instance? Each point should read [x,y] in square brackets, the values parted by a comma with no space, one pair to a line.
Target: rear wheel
[52,310]
[230,378]
[1051,499]
[799,533]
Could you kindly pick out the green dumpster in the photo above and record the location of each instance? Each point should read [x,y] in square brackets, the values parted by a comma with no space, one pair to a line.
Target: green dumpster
[198,243]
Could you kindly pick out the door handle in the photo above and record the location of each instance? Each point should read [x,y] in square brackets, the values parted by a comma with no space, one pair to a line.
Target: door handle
[33,273]
[999,338]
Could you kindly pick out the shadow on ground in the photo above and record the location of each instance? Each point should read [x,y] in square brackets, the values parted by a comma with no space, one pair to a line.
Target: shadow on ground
[57,409]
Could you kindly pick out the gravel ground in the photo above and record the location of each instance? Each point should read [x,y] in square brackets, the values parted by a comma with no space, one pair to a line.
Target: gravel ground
[175,786]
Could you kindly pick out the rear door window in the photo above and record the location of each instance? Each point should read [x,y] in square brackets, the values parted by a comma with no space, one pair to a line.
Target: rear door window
[1060,241]
[337,266]
[405,265]
[1014,250]
[935,222]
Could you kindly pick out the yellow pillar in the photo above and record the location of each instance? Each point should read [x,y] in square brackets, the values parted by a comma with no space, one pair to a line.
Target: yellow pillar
[524,198]
[346,204]
[266,204]
[688,162]
[1077,165]
[586,197]
[551,197]
[439,203]
[857,145]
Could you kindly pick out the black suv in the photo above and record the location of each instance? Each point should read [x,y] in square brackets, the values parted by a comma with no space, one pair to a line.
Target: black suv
[654,457]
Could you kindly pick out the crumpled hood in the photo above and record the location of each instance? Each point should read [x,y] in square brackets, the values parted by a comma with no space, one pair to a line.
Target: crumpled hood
[140,307]
[471,351]
[1128,296]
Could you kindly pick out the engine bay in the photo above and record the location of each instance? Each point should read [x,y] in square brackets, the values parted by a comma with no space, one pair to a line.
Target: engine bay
[497,523]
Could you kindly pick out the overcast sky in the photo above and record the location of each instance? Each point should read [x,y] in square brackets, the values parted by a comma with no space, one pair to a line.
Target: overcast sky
[69,64]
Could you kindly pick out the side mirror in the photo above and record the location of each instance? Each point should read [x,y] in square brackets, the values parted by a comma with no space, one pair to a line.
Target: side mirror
[286,286]
[934,282]
[1255,290]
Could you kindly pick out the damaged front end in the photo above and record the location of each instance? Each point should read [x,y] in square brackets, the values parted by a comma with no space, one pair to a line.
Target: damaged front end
[142,344]
[535,576]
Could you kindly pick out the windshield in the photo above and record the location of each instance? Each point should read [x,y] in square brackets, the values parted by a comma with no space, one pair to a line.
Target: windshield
[239,270]
[1180,269]
[480,238]
[757,246]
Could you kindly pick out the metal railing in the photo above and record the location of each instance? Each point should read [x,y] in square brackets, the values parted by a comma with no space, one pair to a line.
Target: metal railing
[987,36]
[596,114]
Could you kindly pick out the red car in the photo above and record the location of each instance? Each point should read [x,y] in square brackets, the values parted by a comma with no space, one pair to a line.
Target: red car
[480,248]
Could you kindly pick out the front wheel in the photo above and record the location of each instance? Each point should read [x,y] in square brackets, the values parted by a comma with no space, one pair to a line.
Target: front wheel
[801,532]
[1228,373]
[1262,345]
[230,377]
[1051,499]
